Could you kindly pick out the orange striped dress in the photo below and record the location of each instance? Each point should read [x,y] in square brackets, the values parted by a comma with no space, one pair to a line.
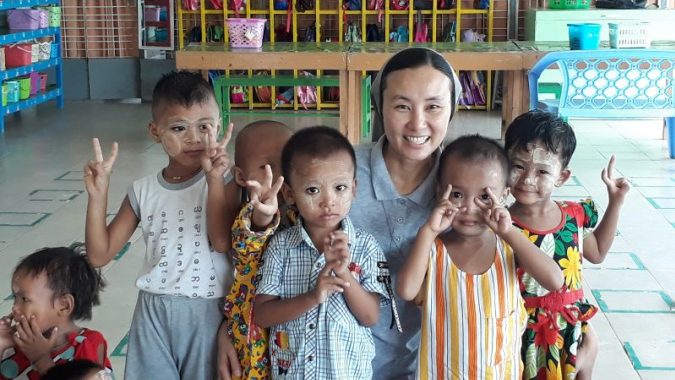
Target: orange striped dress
[471,324]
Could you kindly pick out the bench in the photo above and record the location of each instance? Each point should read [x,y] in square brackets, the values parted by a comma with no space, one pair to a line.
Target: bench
[222,84]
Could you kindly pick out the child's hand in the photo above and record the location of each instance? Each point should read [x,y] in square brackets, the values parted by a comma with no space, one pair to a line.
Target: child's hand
[215,159]
[97,172]
[495,214]
[6,332]
[30,341]
[327,284]
[264,197]
[443,215]
[336,249]
[616,188]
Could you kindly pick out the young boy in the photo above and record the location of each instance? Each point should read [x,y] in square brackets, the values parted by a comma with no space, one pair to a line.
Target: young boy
[257,171]
[540,146]
[182,279]
[318,290]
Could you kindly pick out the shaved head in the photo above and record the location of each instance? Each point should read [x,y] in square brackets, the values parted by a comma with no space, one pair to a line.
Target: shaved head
[253,133]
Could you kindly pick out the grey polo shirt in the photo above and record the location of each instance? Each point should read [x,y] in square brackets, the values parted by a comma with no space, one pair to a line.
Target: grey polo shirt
[394,220]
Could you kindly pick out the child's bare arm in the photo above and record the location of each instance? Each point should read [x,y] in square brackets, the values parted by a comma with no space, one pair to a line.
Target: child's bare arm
[272,311]
[412,275]
[598,243]
[102,241]
[222,200]
[528,256]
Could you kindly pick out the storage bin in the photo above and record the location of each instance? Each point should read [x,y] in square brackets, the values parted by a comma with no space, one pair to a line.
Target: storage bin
[44,51]
[43,81]
[584,36]
[3,66]
[161,35]
[246,32]
[23,19]
[34,82]
[54,16]
[4,95]
[44,18]
[631,35]
[12,91]
[24,88]
[55,50]
[18,55]
[152,14]
[569,4]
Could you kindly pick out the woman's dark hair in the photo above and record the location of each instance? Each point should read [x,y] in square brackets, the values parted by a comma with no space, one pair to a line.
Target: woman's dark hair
[75,369]
[413,58]
[68,272]
[552,130]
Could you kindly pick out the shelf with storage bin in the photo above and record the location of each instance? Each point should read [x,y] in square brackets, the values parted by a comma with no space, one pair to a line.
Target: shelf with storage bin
[155,25]
[29,63]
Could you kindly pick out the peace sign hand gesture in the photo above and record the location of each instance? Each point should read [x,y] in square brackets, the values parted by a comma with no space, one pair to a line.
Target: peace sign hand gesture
[495,214]
[264,197]
[215,159]
[97,172]
[443,215]
[617,188]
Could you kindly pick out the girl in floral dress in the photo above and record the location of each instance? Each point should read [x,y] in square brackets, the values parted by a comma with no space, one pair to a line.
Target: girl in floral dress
[558,342]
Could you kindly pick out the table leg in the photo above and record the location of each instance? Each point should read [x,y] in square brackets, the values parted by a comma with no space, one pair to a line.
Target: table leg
[512,103]
[352,114]
[344,102]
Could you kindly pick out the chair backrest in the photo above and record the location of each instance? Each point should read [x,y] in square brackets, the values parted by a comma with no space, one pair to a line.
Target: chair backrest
[611,83]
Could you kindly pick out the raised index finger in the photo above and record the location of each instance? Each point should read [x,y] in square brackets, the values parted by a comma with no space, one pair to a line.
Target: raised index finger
[113,154]
[610,167]
[448,190]
[493,197]
[98,154]
[228,135]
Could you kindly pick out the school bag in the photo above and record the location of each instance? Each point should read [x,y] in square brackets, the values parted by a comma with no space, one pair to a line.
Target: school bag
[373,33]
[400,35]
[352,33]
[263,93]
[310,33]
[421,29]
[304,5]
[191,5]
[377,5]
[306,94]
[400,5]
[449,31]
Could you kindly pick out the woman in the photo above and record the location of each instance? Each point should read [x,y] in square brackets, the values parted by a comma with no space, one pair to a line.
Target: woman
[415,96]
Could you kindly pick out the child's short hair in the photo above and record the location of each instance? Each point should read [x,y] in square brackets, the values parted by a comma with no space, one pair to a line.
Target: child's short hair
[68,272]
[475,148]
[316,142]
[181,87]
[243,136]
[75,369]
[552,130]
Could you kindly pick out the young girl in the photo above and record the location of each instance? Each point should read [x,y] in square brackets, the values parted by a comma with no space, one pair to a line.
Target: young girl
[472,311]
[53,288]
[558,343]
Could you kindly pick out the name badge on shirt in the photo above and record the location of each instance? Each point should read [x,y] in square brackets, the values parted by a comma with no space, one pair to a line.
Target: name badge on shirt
[384,277]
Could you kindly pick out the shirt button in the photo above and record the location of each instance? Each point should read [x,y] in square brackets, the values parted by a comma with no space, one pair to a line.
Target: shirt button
[397,239]
[399,220]
[312,326]
[310,358]
[318,265]
[401,202]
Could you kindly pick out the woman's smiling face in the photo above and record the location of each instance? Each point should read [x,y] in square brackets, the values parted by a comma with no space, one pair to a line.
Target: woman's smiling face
[416,108]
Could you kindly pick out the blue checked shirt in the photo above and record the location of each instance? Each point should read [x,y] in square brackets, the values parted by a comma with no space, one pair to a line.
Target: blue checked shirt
[327,342]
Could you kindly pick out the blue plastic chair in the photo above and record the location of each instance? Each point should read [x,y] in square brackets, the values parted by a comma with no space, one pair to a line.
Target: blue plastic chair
[611,84]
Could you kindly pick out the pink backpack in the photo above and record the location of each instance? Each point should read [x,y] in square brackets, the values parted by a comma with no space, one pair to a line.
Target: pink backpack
[306,94]
[191,5]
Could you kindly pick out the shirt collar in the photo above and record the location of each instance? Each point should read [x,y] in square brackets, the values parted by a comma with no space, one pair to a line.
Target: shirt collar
[298,235]
[384,187]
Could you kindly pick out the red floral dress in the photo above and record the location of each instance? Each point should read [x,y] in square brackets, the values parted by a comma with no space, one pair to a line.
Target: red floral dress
[557,320]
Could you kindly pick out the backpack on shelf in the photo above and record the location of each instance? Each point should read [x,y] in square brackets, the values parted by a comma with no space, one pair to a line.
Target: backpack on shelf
[191,5]
[449,32]
[352,33]
[310,33]
[285,97]
[400,5]
[304,5]
[306,94]
[421,29]
[377,5]
[373,33]
[332,94]
[351,5]
[263,93]
[400,35]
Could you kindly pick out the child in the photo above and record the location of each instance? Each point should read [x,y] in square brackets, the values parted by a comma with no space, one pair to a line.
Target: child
[540,146]
[52,288]
[258,167]
[472,311]
[78,369]
[182,278]
[318,290]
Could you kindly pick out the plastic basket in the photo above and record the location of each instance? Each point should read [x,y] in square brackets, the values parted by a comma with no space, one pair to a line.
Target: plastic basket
[246,32]
[12,91]
[24,88]
[45,51]
[34,82]
[584,36]
[23,19]
[43,81]
[633,35]
[4,95]
[152,14]
[569,4]
[3,66]
[54,16]
[55,50]
[18,55]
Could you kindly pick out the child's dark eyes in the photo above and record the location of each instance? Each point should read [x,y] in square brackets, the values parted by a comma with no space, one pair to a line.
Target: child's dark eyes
[178,128]
[543,172]
[204,127]
[484,197]
[456,195]
[340,187]
[312,190]
[520,167]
